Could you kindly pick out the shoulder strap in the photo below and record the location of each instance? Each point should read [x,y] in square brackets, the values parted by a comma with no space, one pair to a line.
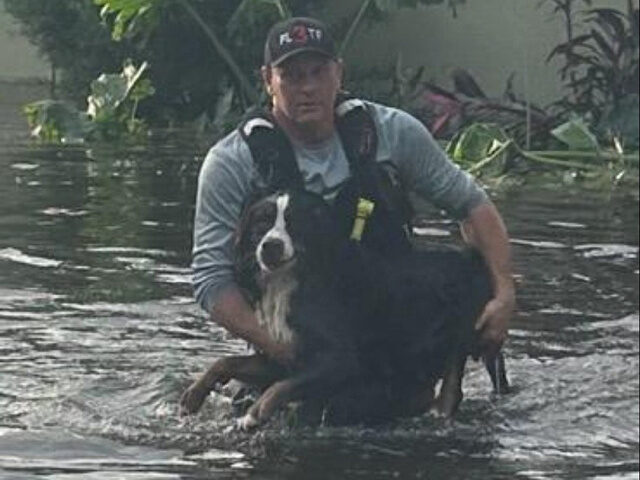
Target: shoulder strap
[358,135]
[272,152]
[274,157]
[357,129]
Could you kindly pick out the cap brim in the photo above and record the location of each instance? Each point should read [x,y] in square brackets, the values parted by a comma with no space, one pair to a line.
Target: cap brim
[298,51]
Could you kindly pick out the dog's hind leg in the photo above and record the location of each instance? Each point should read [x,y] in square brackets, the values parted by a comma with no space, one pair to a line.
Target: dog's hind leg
[253,369]
[497,372]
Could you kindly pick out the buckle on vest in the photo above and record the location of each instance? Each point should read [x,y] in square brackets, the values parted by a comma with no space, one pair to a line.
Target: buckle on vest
[256,122]
[364,210]
[348,105]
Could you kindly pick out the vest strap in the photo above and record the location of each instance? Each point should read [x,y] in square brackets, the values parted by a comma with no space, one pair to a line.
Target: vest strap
[272,153]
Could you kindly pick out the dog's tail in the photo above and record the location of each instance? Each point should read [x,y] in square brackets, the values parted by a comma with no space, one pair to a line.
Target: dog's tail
[495,365]
[498,373]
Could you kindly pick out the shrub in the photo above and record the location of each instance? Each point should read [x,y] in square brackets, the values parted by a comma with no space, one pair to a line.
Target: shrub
[69,33]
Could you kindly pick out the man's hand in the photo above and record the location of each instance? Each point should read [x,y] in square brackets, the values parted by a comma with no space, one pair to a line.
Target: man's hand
[493,324]
[232,312]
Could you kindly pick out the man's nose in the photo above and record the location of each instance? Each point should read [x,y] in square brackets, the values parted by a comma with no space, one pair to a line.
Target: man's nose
[307,81]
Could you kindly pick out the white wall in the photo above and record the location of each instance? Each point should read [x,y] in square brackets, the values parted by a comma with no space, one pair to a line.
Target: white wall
[18,58]
[490,38]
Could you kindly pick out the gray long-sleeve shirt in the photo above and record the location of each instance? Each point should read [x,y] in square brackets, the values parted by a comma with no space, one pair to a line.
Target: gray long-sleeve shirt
[228,173]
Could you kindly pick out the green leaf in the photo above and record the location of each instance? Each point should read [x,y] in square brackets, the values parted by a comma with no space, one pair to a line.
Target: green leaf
[478,145]
[610,20]
[576,135]
[56,121]
[110,90]
[249,13]
[128,15]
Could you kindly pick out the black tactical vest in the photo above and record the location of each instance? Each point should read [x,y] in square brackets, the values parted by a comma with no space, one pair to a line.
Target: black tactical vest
[386,230]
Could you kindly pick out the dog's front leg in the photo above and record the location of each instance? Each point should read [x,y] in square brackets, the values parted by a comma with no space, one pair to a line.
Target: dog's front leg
[319,381]
[271,399]
[253,369]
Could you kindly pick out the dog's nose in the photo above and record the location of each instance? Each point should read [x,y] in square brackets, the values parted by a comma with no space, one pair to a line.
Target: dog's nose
[272,252]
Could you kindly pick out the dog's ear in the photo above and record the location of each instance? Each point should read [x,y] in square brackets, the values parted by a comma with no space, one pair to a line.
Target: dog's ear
[245,212]
[241,228]
[245,266]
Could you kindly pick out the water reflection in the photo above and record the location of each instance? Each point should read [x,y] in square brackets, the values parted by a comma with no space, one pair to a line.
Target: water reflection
[98,336]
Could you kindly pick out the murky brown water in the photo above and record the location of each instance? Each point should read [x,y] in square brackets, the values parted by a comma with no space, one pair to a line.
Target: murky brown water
[98,336]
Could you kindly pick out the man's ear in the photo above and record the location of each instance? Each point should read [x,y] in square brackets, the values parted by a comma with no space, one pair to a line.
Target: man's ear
[267,75]
[340,71]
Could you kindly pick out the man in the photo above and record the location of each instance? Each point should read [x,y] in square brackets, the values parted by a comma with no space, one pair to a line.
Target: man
[303,76]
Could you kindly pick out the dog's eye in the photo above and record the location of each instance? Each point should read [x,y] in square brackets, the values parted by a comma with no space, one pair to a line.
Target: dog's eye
[260,229]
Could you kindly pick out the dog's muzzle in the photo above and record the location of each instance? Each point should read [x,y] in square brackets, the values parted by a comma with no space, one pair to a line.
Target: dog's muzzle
[272,254]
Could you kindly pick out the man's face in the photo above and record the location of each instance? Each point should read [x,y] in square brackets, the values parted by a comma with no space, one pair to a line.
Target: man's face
[304,87]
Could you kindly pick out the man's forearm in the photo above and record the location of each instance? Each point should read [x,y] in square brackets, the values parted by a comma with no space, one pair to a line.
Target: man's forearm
[485,230]
[232,312]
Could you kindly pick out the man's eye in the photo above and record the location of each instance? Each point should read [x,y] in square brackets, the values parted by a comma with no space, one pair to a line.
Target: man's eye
[291,75]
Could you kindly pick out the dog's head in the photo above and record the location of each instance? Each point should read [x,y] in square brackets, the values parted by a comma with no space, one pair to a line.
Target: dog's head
[281,232]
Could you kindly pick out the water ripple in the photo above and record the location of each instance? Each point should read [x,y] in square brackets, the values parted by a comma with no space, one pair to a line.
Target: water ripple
[15,255]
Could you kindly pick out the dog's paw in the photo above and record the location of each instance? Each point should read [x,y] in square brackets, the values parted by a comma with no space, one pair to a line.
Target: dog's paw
[437,412]
[248,423]
[192,399]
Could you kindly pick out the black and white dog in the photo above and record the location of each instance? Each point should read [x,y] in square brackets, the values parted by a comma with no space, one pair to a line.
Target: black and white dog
[372,335]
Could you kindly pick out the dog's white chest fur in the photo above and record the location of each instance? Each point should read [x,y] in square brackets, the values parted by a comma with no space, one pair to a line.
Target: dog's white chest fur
[275,304]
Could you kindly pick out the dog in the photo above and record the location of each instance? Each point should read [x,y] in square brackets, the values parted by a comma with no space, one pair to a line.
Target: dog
[373,335]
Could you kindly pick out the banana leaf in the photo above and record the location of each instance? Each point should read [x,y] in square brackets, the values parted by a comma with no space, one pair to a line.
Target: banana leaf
[110,90]
[576,135]
[478,146]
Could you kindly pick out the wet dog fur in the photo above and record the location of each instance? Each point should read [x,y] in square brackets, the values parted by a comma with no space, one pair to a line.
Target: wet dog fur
[373,335]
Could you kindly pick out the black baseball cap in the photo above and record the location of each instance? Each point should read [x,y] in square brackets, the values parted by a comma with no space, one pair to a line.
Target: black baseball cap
[296,35]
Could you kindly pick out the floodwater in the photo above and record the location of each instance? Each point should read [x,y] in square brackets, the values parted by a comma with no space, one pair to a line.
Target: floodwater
[99,336]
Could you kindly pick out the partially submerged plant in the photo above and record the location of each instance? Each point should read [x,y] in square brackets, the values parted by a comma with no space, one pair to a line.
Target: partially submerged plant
[114,99]
[57,121]
[480,147]
[446,112]
[485,149]
[111,111]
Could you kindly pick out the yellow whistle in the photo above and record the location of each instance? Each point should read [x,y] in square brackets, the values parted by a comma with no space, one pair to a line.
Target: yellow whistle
[363,211]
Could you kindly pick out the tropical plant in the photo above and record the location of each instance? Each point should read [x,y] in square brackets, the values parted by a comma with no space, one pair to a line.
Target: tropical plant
[57,121]
[235,31]
[111,112]
[600,71]
[446,111]
[70,35]
[197,50]
[486,150]
[567,9]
